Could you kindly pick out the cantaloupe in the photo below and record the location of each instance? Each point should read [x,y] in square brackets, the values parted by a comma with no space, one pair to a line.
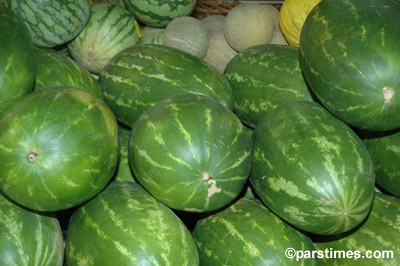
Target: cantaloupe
[187,34]
[214,23]
[274,13]
[278,38]
[247,25]
[219,52]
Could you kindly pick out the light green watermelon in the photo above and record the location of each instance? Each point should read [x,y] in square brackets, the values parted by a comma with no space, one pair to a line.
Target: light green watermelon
[248,234]
[52,23]
[152,35]
[28,237]
[110,29]
[54,69]
[158,13]
[191,153]
[145,74]
[17,64]
[311,169]
[376,242]
[59,148]
[124,225]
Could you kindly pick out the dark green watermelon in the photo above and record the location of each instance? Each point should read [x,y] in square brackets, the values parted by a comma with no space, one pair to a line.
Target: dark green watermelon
[124,225]
[54,69]
[52,23]
[350,54]
[59,148]
[385,153]
[28,237]
[262,78]
[142,75]
[158,13]
[311,169]
[191,153]
[376,242]
[17,65]
[248,234]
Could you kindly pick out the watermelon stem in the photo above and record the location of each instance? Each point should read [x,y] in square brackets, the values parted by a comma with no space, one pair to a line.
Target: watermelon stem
[32,156]
[388,93]
[205,176]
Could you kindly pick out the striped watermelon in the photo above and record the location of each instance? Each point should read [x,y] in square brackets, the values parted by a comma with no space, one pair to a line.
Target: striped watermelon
[59,148]
[5,3]
[52,23]
[53,69]
[110,29]
[350,54]
[248,234]
[28,237]
[124,225]
[17,65]
[158,13]
[380,232]
[385,154]
[152,35]
[191,153]
[311,169]
[124,171]
[142,75]
[264,77]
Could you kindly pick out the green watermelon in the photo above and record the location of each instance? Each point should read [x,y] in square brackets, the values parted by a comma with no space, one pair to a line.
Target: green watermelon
[59,148]
[142,75]
[385,154]
[311,169]
[152,35]
[158,13]
[262,78]
[191,153]
[124,225]
[248,234]
[28,237]
[124,171]
[110,29]
[376,242]
[54,69]
[17,65]
[350,54]
[52,23]
[5,3]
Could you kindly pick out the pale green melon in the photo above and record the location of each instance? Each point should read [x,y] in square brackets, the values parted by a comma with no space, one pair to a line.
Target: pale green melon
[247,25]
[278,38]
[274,13]
[187,34]
[219,52]
[214,23]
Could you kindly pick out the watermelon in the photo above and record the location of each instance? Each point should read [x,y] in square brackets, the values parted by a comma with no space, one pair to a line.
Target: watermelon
[158,13]
[124,171]
[350,54]
[152,35]
[376,242]
[191,153]
[311,169]
[124,225]
[5,3]
[53,69]
[28,237]
[385,153]
[59,148]
[142,75]
[52,23]
[262,78]
[17,64]
[247,233]
[110,29]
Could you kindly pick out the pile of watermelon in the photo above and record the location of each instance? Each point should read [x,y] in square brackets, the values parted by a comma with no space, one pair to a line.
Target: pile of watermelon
[134,133]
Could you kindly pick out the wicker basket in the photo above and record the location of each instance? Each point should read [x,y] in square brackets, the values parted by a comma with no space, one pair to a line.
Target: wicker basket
[206,8]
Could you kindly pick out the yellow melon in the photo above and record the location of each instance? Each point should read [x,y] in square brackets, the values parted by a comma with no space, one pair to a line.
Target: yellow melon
[292,16]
